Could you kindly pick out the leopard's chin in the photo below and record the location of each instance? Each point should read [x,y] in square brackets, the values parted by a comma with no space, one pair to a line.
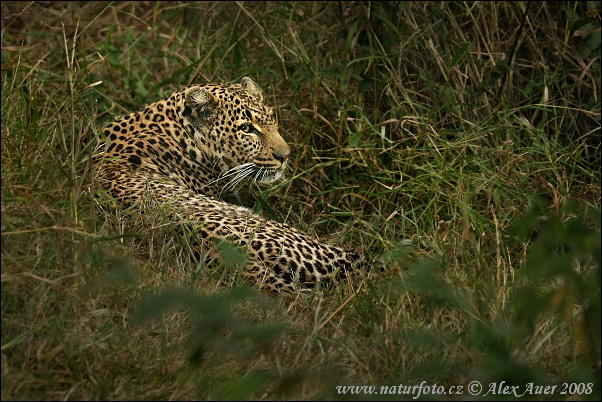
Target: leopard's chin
[269,176]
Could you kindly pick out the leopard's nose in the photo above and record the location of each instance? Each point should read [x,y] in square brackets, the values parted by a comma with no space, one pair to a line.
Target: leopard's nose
[280,156]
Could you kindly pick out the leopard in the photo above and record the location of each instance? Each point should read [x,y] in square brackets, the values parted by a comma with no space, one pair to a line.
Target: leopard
[191,148]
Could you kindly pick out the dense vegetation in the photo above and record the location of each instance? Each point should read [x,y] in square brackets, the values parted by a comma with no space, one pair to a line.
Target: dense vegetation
[457,145]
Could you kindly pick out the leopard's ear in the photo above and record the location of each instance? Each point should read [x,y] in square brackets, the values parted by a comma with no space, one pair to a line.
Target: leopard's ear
[250,85]
[197,96]
[199,103]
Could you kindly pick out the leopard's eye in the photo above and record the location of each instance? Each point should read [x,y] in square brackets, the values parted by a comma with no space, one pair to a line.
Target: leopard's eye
[248,129]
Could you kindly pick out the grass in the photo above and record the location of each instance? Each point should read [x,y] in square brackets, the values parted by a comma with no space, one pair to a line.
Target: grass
[457,145]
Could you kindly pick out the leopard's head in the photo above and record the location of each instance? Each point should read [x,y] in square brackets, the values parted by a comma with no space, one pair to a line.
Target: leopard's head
[236,131]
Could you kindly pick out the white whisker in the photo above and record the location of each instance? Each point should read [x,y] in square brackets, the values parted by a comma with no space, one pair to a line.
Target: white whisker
[240,173]
[231,186]
[257,174]
[219,157]
[237,174]
[239,167]
[230,172]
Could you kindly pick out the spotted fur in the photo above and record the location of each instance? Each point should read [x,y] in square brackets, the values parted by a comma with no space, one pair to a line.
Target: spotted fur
[189,149]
